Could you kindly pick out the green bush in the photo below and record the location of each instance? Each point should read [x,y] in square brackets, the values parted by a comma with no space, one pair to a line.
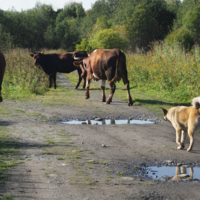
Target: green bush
[84,46]
[182,36]
[108,39]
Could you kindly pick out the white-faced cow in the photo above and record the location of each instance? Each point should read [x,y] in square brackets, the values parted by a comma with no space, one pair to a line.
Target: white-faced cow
[2,70]
[63,62]
[105,64]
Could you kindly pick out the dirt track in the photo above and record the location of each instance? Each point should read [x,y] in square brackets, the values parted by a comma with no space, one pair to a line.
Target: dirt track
[69,162]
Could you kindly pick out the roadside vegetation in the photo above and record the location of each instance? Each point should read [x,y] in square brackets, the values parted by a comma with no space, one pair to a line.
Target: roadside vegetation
[22,79]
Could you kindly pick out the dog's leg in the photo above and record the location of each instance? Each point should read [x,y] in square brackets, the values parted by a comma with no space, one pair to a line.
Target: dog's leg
[190,133]
[178,136]
[183,139]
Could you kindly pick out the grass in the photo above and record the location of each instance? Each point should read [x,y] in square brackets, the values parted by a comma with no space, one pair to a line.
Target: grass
[7,197]
[60,158]
[120,173]
[66,152]
[49,140]
[8,153]
[22,79]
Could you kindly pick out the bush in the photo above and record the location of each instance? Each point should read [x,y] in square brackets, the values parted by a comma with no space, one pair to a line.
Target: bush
[182,36]
[84,46]
[108,39]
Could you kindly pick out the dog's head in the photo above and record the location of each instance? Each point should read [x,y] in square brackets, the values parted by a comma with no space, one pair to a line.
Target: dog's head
[165,111]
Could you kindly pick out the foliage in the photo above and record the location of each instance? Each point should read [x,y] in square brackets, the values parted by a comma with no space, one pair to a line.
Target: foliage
[108,39]
[22,78]
[84,46]
[192,22]
[5,40]
[182,36]
[167,70]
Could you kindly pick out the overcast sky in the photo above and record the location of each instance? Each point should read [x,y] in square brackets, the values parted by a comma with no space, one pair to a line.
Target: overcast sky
[29,4]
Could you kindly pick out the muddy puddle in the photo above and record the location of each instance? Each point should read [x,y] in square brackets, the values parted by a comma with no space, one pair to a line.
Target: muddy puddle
[107,122]
[173,173]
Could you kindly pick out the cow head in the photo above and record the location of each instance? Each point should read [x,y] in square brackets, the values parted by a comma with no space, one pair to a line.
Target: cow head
[79,55]
[37,58]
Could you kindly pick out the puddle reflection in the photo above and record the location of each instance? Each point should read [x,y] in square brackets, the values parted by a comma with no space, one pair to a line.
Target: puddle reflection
[167,173]
[107,122]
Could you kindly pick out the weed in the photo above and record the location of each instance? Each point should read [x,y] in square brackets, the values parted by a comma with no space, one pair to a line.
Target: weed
[80,170]
[60,158]
[150,183]
[103,162]
[137,167]
[120,173]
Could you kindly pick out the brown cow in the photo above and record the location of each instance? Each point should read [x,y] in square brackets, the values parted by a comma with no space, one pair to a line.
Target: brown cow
[2,70]
[105,64]
[63,62]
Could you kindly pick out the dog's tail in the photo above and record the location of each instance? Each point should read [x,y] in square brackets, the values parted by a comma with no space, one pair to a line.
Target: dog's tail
[196,102]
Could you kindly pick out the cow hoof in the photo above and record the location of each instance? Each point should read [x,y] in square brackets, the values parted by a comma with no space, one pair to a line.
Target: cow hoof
[179,148]
[182,145]
[1,99]
[107,102]
[103,100]
[130,103]
[87,97]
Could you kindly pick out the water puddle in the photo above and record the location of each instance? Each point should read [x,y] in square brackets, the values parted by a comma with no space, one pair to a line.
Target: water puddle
[173,173]
[107,122]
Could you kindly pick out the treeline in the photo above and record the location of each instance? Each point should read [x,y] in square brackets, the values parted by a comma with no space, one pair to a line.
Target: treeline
[124,24]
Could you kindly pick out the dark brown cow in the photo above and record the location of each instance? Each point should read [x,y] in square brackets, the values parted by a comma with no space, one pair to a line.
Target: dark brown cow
[2,70]
[63,62]
[105,64]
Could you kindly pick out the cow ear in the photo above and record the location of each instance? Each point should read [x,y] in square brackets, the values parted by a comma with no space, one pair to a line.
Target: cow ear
[32,55]
[77,63]
[164,111]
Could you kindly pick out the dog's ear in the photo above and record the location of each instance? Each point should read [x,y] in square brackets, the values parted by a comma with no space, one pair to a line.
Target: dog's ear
[164,111]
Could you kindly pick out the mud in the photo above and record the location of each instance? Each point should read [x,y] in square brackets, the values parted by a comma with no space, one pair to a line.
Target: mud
[93,162]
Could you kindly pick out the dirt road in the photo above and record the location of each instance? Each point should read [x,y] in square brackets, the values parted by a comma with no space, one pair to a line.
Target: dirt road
[93,162]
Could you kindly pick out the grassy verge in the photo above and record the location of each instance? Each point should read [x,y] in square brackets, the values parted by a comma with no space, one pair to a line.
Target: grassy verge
[166,72]
[147,98]
[22,79]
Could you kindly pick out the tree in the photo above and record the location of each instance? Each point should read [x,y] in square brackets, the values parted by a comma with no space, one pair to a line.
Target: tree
[191,21]
[142,27]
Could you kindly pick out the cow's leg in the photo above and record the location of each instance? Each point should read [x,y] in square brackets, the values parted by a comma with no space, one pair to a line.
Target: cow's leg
[126,83]
[84,82]
[87,95]
[79,77]
[54,80]
[112,91]
[103,83]
[50,81]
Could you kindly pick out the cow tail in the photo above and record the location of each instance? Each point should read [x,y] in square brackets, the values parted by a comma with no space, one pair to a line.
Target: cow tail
[115,77]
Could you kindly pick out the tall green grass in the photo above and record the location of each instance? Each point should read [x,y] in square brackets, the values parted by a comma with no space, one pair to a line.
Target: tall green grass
[22,78]
[166,72]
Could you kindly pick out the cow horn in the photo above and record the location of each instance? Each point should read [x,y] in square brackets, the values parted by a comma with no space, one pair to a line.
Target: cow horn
[77,58]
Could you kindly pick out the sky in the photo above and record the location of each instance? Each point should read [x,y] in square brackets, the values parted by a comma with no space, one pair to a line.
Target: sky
[19,5]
